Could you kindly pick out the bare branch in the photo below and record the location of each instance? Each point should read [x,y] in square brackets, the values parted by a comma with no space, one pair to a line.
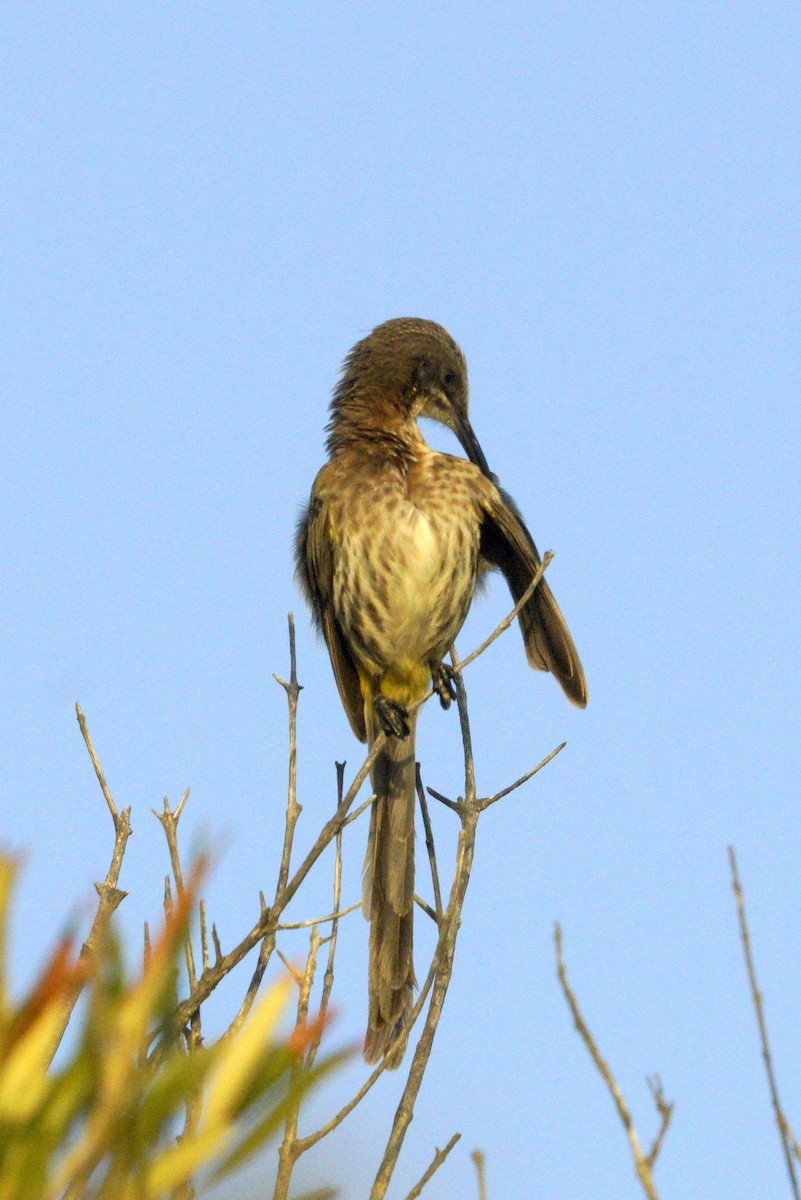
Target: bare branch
[436,1163]
[464,725]
[101,779]
[357,812]
[665,1109]
[523,778]
[289,1151]
[333,916]
[328,977]
[290,966]
[756,998]
[642,1163]
[432,854]
[453,805]
[426,907]
[293,809]
[169,823]
[204,936]
[481,1172]
[109,895]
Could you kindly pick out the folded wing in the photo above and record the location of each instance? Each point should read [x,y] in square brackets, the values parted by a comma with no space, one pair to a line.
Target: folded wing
[315,568]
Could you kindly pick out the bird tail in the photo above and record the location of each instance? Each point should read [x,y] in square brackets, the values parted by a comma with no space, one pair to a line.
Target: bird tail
[545,632]
[388,894]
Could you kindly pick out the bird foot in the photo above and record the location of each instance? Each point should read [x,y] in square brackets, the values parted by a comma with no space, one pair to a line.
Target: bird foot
[443,679]
[392,717]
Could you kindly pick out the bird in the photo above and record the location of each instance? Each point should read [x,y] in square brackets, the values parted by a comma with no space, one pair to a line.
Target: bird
[389,552]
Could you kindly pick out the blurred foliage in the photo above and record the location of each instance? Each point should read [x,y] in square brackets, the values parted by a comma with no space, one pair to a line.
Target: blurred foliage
[103,1126]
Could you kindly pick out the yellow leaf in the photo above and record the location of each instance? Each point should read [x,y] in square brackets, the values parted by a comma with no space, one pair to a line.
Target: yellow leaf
[181,1161]
[234,1068]
[8,874]
[23,1078]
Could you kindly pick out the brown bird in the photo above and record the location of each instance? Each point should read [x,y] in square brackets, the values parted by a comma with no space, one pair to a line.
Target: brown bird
[388,555]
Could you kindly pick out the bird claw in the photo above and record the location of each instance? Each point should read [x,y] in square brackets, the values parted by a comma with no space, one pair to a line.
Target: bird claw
[443,679]
[392,717]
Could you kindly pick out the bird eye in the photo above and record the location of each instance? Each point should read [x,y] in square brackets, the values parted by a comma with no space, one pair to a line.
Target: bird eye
[449,378]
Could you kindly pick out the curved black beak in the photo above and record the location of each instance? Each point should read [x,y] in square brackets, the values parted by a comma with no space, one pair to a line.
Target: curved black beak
[464,432]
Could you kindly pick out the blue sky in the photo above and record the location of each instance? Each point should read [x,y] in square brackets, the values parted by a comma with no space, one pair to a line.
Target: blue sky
[202,207]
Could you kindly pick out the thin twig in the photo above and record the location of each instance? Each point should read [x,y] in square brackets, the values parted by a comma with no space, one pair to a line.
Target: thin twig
[204,936]
[332,916]
[288,1153]
[756,998]
[642,1163]
[169,823]
[293,808]
[485,803]
[293,971]
[357,812]
[432,854]
[101,779]
[481,1173]
[328,977]
[193,1033]
[436,1163]
[665,1109]
[293,811]
[109,895]
[426,907]
[793,1141]
[453,805]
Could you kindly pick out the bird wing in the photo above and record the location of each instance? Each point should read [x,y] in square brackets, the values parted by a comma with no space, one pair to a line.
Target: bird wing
[314,553]
[506,543]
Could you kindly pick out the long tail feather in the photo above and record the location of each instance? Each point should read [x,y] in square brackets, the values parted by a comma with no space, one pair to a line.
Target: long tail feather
[388,897]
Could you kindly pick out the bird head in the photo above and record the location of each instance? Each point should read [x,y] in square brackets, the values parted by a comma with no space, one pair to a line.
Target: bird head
[417,367]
